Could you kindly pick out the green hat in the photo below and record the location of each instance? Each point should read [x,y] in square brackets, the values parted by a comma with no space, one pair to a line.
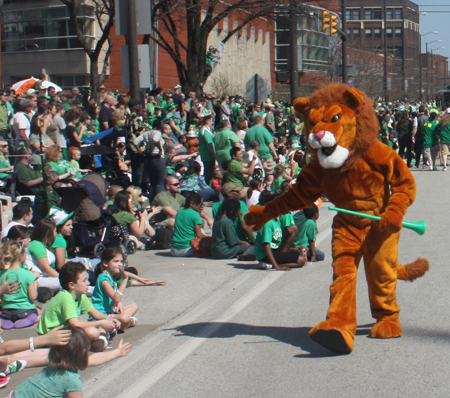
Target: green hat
[171,106]
[45,96]
[59,216]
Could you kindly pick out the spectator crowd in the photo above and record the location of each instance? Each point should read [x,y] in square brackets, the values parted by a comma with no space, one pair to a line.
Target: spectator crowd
[157,174]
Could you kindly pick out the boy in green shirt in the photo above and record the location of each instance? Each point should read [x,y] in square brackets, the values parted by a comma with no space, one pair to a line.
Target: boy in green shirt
[67,306]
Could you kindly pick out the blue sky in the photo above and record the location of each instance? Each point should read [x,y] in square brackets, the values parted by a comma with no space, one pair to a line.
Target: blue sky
[435,21]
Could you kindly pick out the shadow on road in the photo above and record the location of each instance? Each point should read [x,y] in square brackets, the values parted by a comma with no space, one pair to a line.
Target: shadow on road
[297,336]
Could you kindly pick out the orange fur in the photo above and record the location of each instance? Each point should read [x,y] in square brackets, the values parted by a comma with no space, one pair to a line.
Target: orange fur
[368,177]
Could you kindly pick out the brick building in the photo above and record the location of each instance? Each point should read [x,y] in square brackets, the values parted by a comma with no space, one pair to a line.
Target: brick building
[366,30]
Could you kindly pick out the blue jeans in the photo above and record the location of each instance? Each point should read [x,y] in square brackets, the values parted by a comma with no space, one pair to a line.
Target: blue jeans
[320,255]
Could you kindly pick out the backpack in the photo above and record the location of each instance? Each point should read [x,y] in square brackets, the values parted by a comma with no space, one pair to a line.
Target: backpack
[161,240]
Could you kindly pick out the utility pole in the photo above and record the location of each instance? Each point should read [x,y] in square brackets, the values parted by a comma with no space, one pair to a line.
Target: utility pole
[344,41]
[294,50]
[385,55]
[133,51]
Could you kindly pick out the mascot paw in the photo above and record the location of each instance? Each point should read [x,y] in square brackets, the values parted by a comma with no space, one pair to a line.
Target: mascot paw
[257,217]
[386,330]
[333,337]
[391,220]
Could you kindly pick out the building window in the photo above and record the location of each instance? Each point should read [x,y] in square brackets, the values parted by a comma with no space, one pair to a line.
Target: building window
[389,33]
[349,32]
[356,14]
[368,33]
[398,13]
[377,33]
[389,13]
[356,33]
[377,13]
[368,13]
[46,28]
[398,33]
[348,15]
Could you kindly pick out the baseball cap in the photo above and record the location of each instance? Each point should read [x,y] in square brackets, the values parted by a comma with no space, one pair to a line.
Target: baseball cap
[178,86]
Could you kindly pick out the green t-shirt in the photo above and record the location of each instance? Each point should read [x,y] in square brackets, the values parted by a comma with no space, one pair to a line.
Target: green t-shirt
[270,233]
[307,230]
[277,183]
[430,139]
[61,308]
[224,140]
[4,165]
[234,173]
[261,134]
[286,220]
[124,217]
[237,223]
[100,300]
[166,199]
[50,382]
[60,242]
[38,250]
[224,239]
[205,137]
[20,300]
[184,230]
[25,174]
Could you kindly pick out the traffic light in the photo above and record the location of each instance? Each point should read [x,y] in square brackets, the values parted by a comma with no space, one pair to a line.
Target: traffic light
[326,19]
[333,24]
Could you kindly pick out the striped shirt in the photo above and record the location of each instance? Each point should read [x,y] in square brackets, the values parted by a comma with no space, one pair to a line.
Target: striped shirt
[151,138]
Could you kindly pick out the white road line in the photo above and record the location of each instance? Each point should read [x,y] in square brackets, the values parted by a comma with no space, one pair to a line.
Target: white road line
[181,353]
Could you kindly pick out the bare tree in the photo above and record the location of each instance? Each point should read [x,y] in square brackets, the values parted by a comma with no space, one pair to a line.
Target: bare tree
[173,20]
[103,11]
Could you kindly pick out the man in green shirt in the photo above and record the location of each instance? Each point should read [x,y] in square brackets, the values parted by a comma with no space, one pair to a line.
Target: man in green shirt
[207,148]
[267,151]
[28,181]
[236,169]
[4,122]
[224,140]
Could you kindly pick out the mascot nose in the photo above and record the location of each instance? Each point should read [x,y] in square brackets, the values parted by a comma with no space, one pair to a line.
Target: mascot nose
[319,135]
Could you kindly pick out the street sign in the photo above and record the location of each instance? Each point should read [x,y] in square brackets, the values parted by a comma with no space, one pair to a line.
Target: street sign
[144,66]
[351,70]
[256,89]
[144,17]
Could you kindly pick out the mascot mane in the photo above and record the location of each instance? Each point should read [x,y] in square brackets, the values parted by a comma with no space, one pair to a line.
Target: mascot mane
[367,125]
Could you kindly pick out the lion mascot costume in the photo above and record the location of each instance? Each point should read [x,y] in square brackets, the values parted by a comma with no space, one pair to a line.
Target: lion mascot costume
[356,172]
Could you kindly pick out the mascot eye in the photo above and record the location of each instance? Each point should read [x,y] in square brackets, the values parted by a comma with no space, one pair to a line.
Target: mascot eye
[335,118]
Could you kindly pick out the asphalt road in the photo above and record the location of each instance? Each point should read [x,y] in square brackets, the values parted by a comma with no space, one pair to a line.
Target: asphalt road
[222,328]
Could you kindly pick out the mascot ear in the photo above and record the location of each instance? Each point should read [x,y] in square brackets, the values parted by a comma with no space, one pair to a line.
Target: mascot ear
[354,97]
[301,105]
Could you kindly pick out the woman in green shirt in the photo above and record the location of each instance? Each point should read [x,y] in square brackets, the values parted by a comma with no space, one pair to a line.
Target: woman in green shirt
[225,240]
[173,121]
[5,165]
[54,161]
[187,226]
[44,260]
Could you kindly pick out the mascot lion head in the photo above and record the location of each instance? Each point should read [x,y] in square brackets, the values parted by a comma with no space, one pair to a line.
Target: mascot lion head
[340,124]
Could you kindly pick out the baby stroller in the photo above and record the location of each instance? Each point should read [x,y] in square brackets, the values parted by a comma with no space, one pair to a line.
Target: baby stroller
[93,228]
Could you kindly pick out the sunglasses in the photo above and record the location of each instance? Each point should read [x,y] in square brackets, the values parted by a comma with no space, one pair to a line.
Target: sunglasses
[4,146]
[176,185]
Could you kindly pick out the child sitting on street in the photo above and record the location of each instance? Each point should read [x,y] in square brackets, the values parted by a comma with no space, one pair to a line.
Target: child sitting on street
[307,231]
[269,250]
[112,281]
[18,310]
[66,307]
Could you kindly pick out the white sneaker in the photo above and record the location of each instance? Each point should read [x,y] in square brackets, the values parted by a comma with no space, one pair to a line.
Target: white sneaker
[262,265]
[444,169]
[431,168]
